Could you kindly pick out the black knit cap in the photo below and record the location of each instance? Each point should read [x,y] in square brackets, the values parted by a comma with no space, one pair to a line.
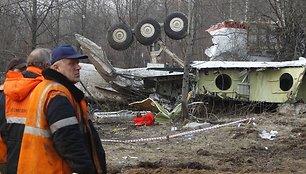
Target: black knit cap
[16,63]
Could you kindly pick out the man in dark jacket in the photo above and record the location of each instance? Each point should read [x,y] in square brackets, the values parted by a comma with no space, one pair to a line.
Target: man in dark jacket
[62,125]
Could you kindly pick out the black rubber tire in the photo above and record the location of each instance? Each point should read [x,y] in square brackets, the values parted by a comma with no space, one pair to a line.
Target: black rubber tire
[120,36]
[147,31]
[176,25]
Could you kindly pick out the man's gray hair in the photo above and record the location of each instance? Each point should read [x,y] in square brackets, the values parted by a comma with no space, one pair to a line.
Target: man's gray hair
[40,57]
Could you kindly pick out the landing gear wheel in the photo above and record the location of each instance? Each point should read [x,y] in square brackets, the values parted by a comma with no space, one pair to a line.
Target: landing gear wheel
[175,26]
[147,31]
[120,36]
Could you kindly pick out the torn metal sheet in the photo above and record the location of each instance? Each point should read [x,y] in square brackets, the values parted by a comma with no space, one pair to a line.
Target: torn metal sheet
[268,135]
[117,116]
[147,72]
[246,64]
[97,57]
[132,84]
[162,114]
[229,41]
[98,88]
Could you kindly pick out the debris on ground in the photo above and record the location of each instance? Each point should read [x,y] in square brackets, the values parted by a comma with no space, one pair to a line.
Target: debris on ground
[229,149]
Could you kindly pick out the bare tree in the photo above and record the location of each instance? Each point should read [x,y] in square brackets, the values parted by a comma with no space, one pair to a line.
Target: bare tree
[289,17]
[190,35]
[35,23]
[12,33]
[35,13]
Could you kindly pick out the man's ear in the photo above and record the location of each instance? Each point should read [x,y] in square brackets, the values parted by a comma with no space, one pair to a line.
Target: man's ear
[54,66]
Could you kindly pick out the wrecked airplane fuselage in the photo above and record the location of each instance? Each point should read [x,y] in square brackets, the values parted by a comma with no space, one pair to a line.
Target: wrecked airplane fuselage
[107,83]
[273,82]
[131,84]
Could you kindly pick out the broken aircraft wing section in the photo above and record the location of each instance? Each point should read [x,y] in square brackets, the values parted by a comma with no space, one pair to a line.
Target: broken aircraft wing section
[97,57]
[122,84]
[95,87]
[133,83]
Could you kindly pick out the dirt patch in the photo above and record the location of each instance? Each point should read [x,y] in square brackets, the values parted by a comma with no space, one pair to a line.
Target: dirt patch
[229,149]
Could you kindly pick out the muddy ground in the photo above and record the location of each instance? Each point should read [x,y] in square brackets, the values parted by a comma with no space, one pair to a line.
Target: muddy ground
[235,148]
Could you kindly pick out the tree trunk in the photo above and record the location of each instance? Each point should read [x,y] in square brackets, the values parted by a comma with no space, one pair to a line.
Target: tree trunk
[246,10]
[34,25]
[185,87]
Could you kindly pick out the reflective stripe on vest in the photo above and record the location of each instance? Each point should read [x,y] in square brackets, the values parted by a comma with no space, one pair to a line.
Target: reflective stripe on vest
[40,102]
[14,119]
[63,123]
[37,131]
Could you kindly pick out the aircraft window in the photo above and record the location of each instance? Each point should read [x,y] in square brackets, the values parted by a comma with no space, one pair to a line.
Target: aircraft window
[285,82]
[223,82]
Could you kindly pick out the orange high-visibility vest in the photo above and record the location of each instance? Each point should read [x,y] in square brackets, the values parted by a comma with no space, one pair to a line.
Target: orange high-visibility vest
[2,147]
[37,153]
[16,105]
[2,151]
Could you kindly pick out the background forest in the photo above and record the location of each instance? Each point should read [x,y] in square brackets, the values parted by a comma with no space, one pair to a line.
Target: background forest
[274,25]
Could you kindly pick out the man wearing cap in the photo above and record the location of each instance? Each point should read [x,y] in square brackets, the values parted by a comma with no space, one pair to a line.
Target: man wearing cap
[58,136]
[17,65]
[17,89]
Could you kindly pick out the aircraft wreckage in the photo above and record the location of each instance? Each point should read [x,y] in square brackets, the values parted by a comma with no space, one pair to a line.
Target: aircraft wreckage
[107,83]
[247,80]
[275,82]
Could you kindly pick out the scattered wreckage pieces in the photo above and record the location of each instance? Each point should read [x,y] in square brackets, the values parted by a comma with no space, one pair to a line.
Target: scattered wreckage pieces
[122,116]
[140,118]
[146,119]
[291,109]
[167,137]
[162,114]
[149,111]
[268,135]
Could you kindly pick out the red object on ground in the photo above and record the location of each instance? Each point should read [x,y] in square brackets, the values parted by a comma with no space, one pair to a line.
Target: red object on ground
[147,120]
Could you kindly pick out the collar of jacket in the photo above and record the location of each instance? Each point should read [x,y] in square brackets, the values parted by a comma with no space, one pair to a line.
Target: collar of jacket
[34,69]
[51,74]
